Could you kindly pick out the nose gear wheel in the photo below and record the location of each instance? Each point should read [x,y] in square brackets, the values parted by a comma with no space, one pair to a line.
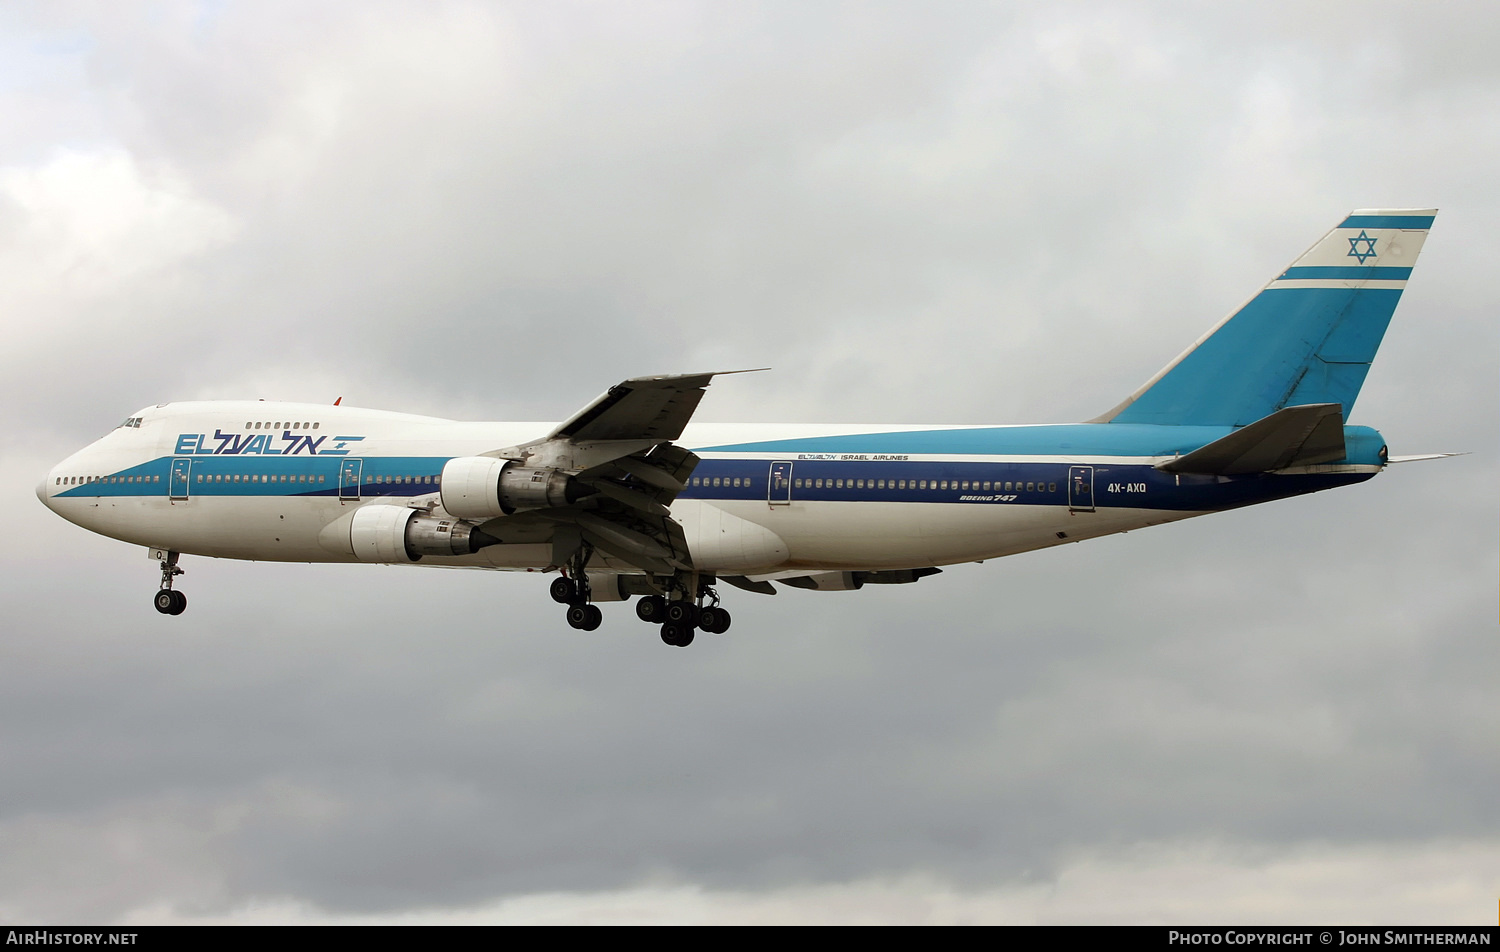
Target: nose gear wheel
[169,601]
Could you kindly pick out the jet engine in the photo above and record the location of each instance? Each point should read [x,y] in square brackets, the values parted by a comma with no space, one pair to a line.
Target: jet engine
[398,534]
[482,487]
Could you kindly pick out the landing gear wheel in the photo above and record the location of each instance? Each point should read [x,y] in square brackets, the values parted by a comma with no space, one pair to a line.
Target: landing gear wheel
[652,609]
[715,621]
[169,601]
[594,618]
[563,590]
[682,613]
[676,635]
[579,616]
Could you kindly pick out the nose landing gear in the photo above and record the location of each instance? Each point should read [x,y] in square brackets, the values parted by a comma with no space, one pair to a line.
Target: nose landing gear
[169,601]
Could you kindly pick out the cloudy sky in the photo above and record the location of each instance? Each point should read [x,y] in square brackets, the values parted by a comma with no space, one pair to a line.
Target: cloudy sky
[937,213]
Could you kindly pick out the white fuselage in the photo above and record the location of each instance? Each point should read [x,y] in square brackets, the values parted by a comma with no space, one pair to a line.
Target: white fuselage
[280,481]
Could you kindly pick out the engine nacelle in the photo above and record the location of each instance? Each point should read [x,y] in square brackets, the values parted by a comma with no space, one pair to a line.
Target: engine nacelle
[482,487]
[397,534]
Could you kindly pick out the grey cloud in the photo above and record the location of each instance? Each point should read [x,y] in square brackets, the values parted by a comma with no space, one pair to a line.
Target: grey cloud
[967,215]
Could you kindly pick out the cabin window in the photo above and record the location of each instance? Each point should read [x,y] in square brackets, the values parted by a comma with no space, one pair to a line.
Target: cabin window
[315,426]
[1052,487]
[1031,487]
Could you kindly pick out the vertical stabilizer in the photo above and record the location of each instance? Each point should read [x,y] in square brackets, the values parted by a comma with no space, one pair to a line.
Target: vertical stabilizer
[1308,337]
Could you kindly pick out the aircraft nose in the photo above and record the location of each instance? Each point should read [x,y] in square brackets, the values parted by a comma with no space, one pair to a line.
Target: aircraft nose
[41,491]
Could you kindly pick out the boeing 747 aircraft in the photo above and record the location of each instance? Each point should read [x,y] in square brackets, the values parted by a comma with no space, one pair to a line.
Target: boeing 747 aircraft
[626,498]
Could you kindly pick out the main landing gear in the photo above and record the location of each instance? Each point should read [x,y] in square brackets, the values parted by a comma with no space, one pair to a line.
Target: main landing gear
[572,590]
[679,615]
[169,601]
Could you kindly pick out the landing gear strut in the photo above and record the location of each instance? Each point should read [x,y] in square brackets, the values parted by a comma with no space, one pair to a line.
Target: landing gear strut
[168,601]
[573,590]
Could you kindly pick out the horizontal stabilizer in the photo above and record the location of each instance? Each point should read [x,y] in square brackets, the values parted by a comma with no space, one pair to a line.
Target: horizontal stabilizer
[1295,436]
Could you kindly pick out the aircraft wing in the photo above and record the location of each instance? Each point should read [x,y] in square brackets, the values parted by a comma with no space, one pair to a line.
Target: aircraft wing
[654,408]
[619,451]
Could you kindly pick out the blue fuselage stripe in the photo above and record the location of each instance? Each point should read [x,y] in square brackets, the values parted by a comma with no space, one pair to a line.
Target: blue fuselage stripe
[232,475]
[1135,486]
